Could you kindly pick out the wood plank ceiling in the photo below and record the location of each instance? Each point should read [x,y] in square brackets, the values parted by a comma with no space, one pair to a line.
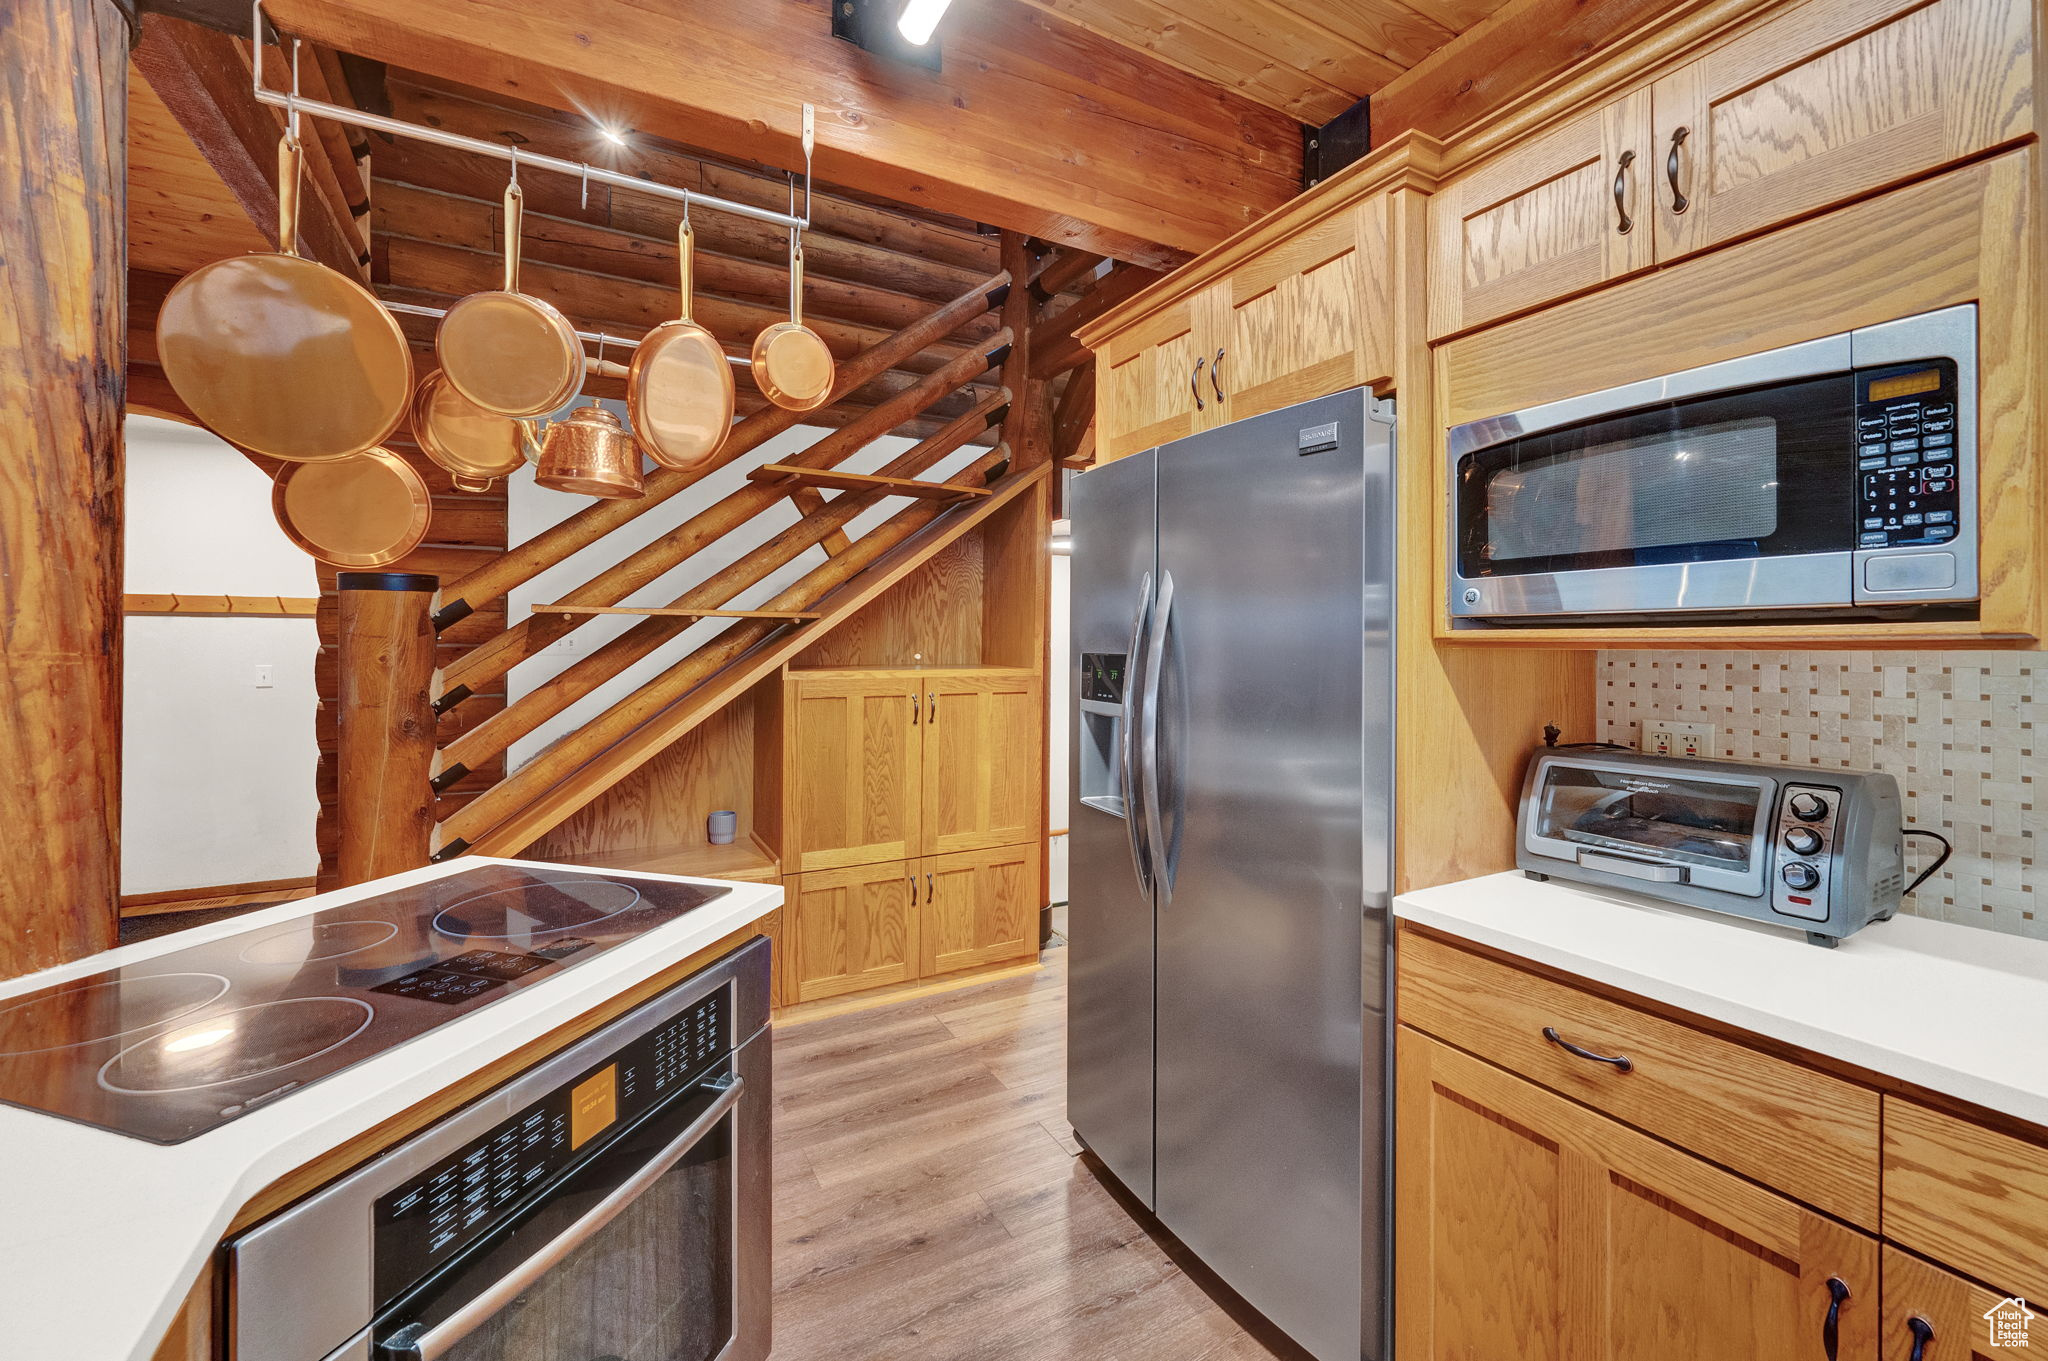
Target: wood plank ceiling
[1310,59]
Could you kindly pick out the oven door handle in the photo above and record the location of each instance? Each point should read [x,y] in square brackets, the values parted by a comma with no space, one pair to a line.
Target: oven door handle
[1652,870]
[414,1343]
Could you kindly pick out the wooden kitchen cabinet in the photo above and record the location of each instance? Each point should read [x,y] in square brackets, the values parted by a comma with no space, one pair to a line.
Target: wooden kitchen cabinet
[854,928]
[1147,389]
[1828,101]
[1945,1316]
[980,786]
[891,765]
[1968,1195]
[1533,1227]
[853,768]
[980,907]
[1556,214]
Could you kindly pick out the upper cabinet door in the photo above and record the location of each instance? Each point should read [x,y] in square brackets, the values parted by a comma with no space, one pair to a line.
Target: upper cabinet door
[1147,393]
[1830,101]
[1533,1227]
[852,773]
[983,738]
[1555,215]
[1308,317]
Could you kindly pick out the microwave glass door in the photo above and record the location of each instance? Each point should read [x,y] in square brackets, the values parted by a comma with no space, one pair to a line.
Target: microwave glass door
[1767,473]
[1713,829]
[650,1281]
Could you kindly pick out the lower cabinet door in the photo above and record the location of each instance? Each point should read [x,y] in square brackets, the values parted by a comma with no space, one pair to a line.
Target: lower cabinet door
[1935,1315]
[980,907]
[854,928]
[1534,1229]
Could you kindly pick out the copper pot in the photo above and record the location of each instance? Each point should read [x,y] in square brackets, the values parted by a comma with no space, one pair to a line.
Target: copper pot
[590,453]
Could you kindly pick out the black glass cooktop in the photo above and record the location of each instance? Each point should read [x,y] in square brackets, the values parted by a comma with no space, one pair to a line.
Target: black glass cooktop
[179,1044]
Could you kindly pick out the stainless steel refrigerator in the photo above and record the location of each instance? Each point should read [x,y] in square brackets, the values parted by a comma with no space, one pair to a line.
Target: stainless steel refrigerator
[1231,852]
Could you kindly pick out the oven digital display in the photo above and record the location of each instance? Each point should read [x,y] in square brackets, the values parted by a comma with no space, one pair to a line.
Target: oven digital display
[1904,385]
[425,1221]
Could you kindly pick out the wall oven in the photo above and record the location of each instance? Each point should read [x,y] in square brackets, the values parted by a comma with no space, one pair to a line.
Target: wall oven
[609,1204]
[1833,476]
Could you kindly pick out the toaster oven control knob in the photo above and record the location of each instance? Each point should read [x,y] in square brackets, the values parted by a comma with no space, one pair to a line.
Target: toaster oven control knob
[1809,807]
[1800,875]
[1802,841]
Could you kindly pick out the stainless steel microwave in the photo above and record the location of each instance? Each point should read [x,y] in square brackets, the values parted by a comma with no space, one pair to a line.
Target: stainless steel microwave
[1834,476]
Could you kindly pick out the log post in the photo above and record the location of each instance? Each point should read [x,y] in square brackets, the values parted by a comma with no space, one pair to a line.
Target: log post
[63,349]
[385,735]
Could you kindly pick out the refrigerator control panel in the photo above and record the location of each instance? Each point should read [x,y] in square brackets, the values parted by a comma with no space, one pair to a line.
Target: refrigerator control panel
[1102,677]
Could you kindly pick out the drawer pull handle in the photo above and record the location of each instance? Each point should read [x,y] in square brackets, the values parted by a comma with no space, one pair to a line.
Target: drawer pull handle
[1216,375]
[1622,1062]
[1923,1333]
[1195,383]
[1679,202]
[1627,223]
[1831,1326]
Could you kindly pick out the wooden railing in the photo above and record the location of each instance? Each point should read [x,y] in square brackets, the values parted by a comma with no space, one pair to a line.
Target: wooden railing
[391,777]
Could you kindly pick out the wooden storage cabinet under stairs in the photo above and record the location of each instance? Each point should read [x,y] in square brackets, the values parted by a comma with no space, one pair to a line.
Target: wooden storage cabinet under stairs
[1531,1226]
[1822,103]
[1304,315]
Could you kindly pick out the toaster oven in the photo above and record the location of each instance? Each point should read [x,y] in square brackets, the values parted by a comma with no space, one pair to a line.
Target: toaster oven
[1817,849]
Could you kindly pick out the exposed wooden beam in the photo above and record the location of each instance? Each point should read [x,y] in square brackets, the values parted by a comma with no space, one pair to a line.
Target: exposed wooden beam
[1054,346]
[1503,57]
[1035,123]
[1073,416]
[1063,268]
[202,77]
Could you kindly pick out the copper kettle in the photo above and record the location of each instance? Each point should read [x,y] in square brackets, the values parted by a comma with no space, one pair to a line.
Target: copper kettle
[590,453]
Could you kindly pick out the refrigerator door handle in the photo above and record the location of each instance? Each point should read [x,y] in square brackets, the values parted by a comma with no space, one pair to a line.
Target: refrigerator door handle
[1127,771]
[1155,659]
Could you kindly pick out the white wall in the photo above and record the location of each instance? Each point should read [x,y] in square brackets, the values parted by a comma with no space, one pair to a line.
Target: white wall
[217,774]
[532,509]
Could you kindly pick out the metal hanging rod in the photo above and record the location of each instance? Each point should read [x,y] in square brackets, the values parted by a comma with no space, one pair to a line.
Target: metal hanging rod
[413,309]
[294,104]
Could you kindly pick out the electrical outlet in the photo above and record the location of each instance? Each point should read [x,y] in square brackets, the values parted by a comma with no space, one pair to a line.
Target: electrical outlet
[1663,738]
[263,679]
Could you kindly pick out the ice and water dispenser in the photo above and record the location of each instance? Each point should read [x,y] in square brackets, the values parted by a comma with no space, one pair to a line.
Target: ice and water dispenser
[1101,731]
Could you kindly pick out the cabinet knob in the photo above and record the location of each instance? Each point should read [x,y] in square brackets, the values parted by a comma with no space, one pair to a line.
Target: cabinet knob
[927,888]
[1923,1333]
[1831,1326]
[1195,384]
[1627,223]
[931,699]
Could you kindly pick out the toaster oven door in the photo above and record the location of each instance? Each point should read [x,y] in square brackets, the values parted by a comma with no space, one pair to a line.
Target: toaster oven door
[1706,829]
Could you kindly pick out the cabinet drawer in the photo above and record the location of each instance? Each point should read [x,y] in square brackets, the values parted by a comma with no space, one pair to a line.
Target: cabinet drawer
[1809,1134]
[1966,1195]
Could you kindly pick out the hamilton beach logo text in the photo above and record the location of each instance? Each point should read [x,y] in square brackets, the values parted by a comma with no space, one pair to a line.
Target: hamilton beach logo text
[2008,1320]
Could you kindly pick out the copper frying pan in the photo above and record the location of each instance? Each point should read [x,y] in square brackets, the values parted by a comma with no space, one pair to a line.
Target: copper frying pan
[679,389]
[792,365]
[367,510]
[281,354]
[476,446]
[504,350]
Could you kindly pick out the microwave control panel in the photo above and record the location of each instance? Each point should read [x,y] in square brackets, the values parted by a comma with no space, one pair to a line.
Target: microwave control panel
[1804,844]
[1906,455]
[428,1219]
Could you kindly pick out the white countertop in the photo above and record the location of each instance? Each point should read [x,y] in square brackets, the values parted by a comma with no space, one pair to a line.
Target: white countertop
[1954,1009]
[102,1235]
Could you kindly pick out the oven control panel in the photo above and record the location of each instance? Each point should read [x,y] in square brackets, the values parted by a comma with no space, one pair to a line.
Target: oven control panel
[1804,845]
[1906,455]
[425,1221]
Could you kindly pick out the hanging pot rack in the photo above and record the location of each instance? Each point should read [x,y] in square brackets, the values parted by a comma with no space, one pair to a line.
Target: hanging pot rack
[295,104]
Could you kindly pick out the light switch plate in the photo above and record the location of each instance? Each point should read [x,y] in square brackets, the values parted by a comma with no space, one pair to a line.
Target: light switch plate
[1661,737]
[264,676]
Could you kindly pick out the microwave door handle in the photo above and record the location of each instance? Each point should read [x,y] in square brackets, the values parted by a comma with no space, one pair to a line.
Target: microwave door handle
[431,1344]
[1127,765]
[1654,871]
[1155,662]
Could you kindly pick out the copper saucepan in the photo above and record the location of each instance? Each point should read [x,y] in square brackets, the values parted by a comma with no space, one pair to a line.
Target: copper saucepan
[476,446]
[364,511]
[504,350]
[282,355]
[679,388]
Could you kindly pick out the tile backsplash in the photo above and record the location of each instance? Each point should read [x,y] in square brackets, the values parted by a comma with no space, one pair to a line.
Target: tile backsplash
[1954,728]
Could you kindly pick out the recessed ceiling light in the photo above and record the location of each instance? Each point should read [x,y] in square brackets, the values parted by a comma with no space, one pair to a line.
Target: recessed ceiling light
[920,18]
[616,136]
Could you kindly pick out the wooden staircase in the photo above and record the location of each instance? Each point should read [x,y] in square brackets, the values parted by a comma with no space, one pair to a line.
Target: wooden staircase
[389,776]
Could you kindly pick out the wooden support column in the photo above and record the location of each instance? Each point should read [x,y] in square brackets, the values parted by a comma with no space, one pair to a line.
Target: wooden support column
[385,747]
[63,349]
[1022,428]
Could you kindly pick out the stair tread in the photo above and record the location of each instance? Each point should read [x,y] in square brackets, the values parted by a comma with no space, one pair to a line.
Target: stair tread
[674,612]
[843,481]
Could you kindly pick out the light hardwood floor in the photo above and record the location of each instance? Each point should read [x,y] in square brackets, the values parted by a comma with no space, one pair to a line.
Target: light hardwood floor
[930,1203]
